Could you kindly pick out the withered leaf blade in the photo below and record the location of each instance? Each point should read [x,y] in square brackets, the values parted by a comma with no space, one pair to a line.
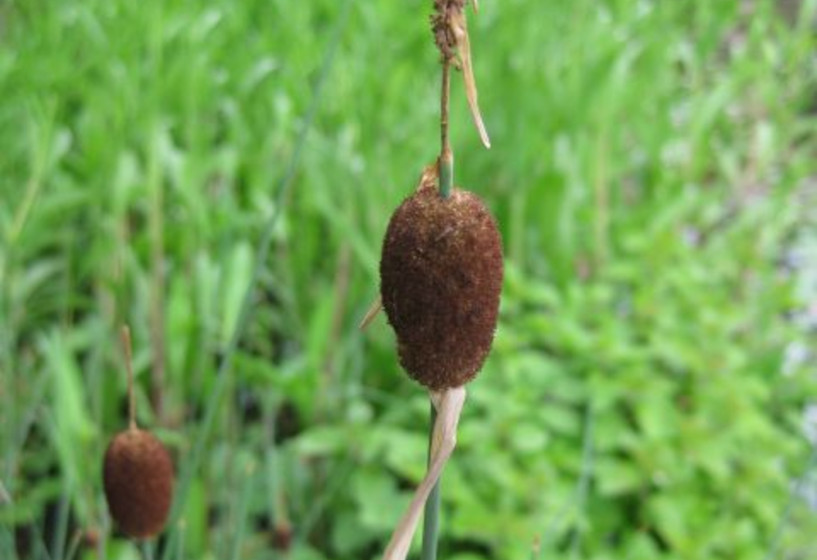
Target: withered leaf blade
[448,404]
[460,28]
[374,309]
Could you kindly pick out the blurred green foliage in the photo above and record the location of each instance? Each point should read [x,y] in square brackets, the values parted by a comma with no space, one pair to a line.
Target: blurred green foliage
[653,163]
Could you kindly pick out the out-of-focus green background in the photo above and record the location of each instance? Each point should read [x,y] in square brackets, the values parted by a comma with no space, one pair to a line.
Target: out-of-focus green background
[653,175]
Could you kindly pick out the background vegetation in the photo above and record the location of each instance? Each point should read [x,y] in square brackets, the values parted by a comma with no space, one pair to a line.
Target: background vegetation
[653,174]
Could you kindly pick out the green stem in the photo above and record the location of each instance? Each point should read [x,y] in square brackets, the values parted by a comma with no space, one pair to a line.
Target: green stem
[431,515]
[242,512]
[128,352]
[148,550]
[446,173]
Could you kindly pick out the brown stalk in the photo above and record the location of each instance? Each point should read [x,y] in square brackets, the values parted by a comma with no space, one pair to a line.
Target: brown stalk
[127,350]
[445,144]
[450,29]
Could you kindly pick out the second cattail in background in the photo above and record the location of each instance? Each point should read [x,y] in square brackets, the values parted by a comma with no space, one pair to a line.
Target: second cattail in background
[137,473]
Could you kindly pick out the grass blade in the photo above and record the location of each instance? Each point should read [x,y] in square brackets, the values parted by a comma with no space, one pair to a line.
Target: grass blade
[245,314]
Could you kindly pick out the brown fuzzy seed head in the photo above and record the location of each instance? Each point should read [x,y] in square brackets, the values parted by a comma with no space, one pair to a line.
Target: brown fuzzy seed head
[440,279]
[138,480]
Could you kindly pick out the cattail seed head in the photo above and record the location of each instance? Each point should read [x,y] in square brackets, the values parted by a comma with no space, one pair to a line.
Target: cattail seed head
[441,276]
[138,481]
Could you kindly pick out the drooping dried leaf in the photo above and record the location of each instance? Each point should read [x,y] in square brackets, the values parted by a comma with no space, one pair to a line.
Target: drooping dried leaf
[448,405]
[460,29]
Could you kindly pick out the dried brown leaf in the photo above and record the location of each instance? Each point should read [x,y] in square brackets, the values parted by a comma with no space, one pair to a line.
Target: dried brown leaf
[448,404]
[460,28]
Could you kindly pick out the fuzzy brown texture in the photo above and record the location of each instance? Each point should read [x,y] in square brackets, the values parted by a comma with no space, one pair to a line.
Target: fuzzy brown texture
[138,480]
[444,38]
[440,279]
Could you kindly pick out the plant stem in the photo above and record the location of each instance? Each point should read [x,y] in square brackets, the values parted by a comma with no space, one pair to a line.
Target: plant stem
[244,499]
[157,288]
[126,348]
[446,155]
[431,514]
[147,550]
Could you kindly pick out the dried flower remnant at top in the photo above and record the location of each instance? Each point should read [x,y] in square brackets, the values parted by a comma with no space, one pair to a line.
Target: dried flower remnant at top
[444,36]
[450,29]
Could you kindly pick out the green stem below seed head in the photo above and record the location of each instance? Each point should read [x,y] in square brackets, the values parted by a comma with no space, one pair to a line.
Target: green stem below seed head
[128,353]
[431,514]
[446,168]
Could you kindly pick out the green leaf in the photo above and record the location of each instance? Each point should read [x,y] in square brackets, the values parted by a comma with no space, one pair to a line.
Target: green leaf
[235,281]
[529,438]
[615,477]
[378,500]
[322,441]
[560,419]
[72,431]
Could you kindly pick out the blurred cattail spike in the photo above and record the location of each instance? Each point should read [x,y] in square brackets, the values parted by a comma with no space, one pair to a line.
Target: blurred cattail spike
[137,471]
[450,28]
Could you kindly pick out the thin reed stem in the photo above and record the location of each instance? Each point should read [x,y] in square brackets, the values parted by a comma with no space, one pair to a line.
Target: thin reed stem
[431,514]
[446,155]
[128,351]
